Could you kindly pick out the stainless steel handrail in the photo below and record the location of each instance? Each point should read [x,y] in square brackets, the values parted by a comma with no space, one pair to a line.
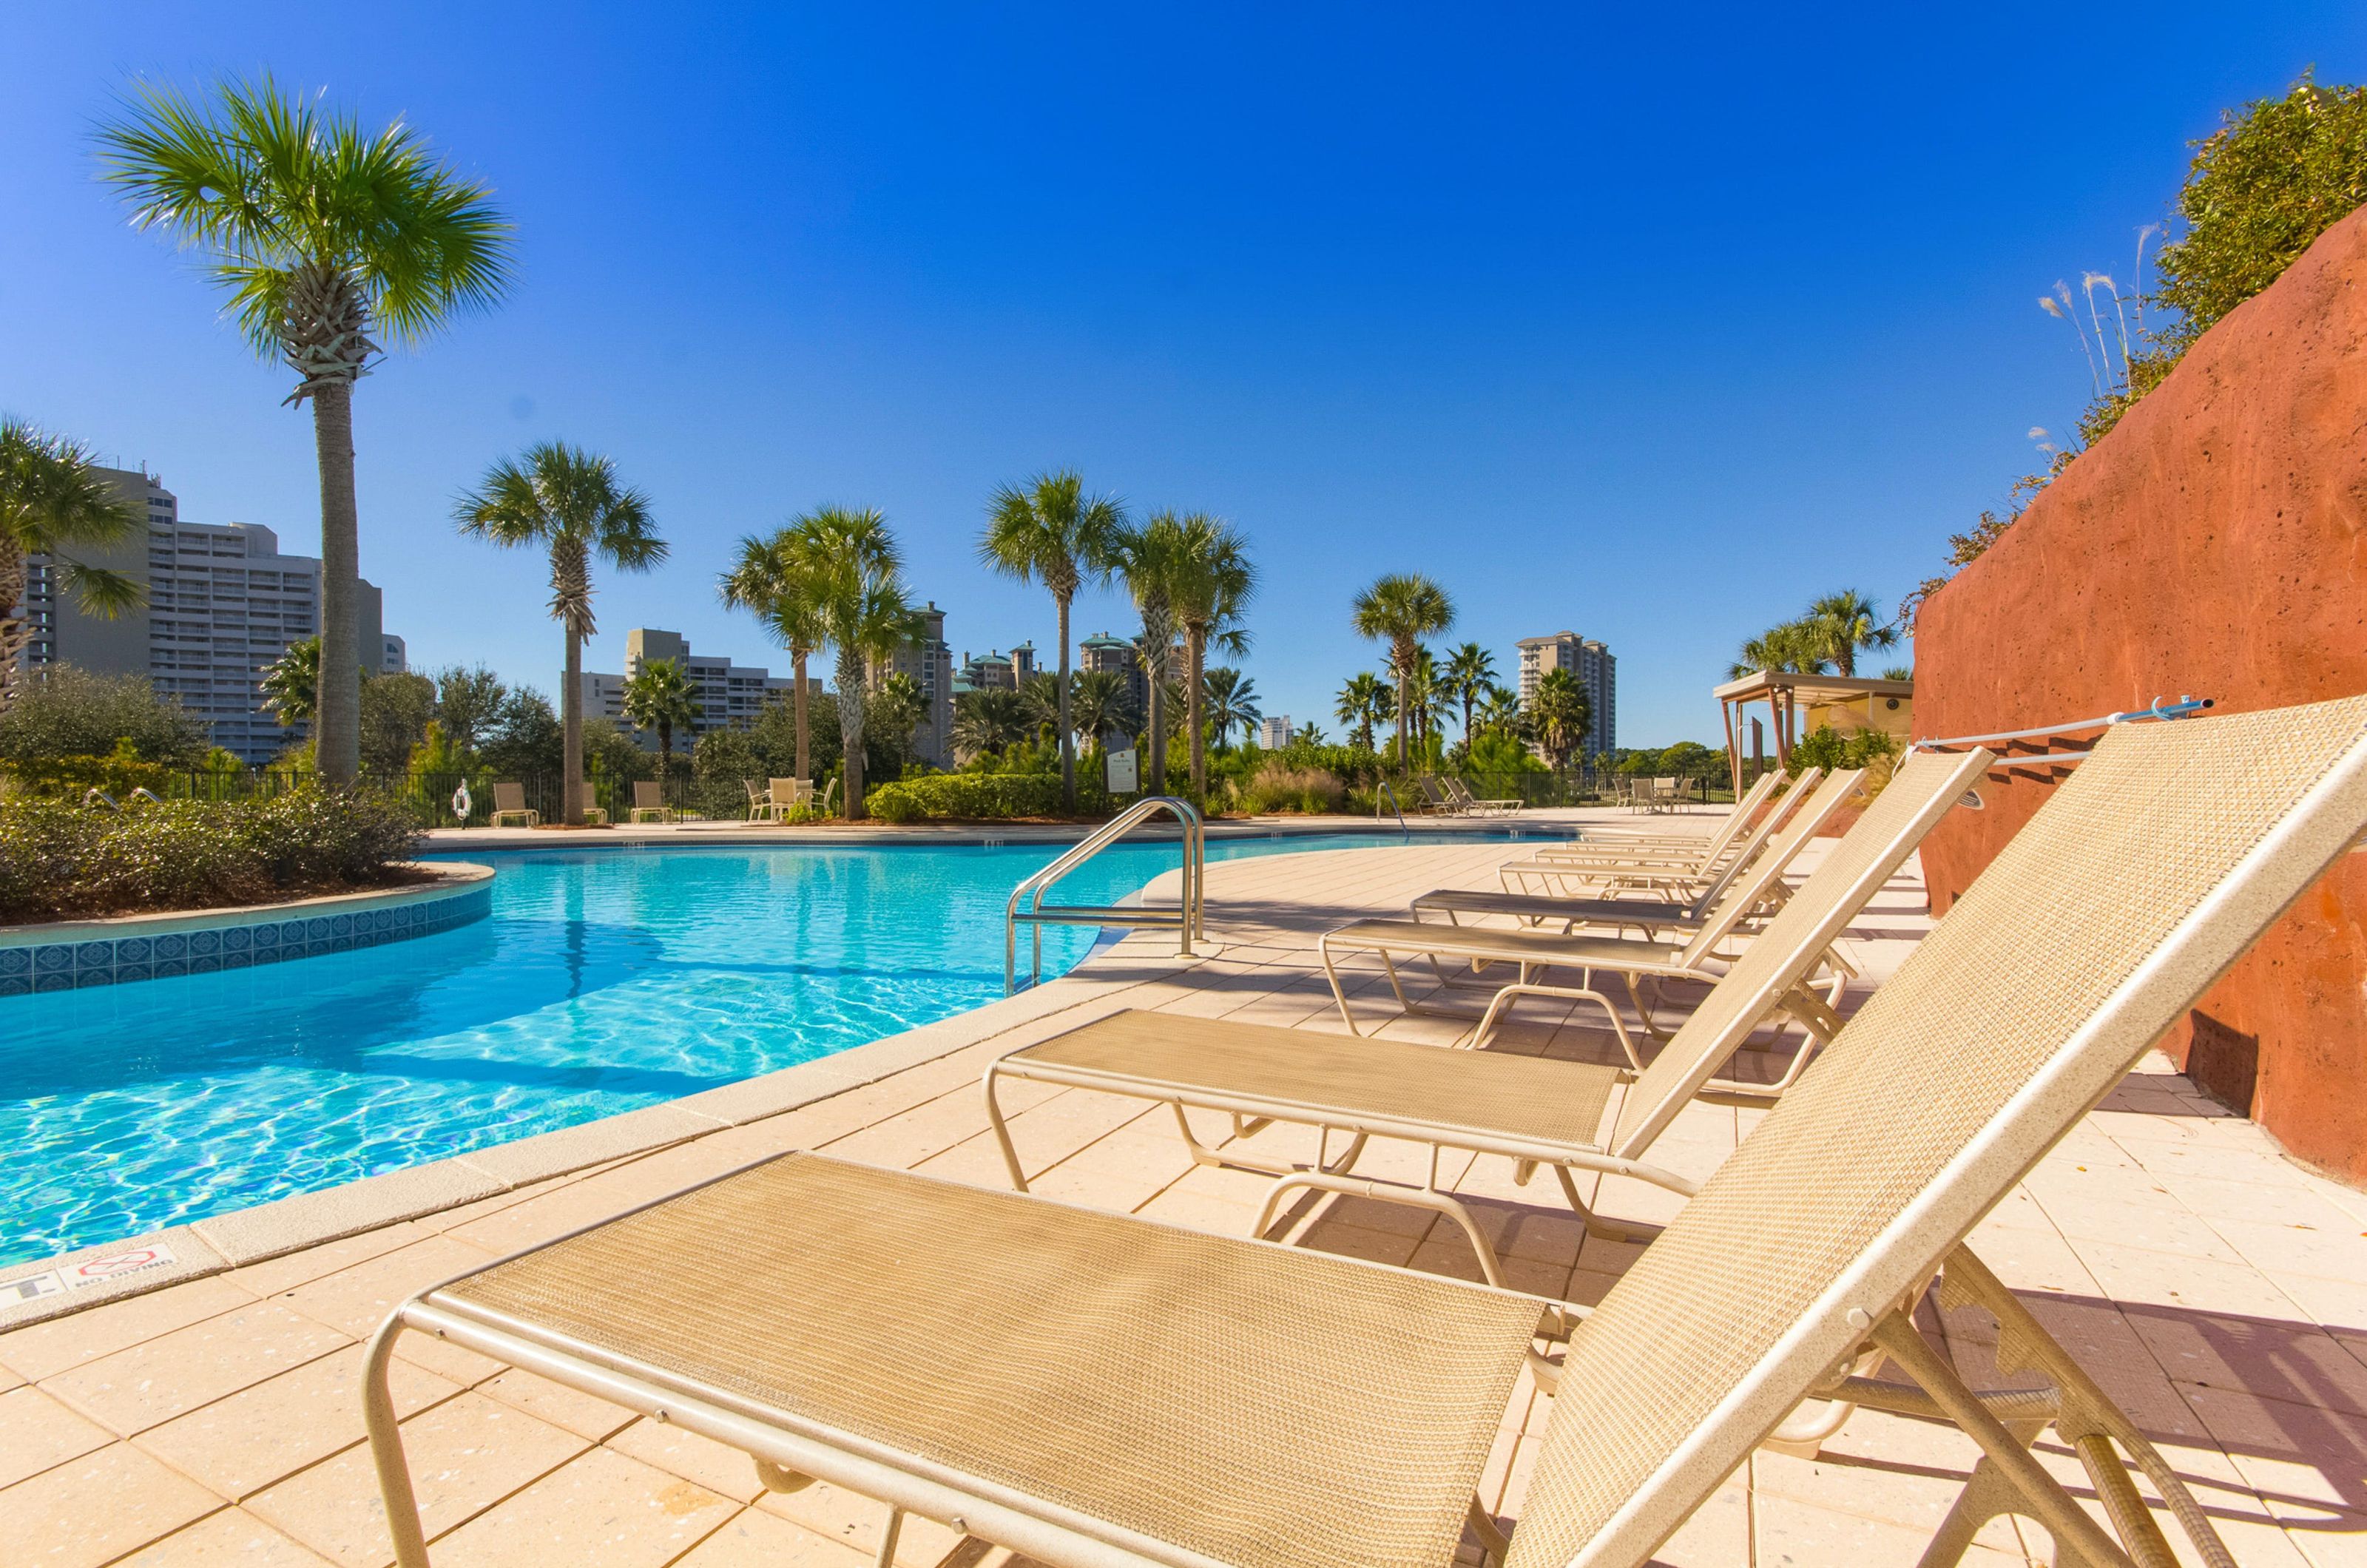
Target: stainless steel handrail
[1380,788]
[1189,917]
[2184,706]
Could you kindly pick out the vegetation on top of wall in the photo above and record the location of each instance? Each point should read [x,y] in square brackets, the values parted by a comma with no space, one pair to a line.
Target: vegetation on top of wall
[2276,173]
[59,861]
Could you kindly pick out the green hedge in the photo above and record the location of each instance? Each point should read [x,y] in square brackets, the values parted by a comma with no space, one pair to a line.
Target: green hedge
[58,861]
[976,796]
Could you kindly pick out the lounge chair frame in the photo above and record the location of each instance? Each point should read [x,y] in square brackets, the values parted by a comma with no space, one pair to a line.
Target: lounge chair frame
[517,793]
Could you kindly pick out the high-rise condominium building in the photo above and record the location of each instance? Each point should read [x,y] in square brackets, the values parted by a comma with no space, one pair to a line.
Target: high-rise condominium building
[1116,656]
[221,606]
[1275,731]
[1593,666]
[929,660]
[729,695]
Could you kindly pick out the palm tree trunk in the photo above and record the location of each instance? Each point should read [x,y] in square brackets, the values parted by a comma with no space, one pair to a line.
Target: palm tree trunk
[850,730]
[798,706]
[1405,690]
[1195,654]
[336,723]
[13,632]
[1068,736]
[570,730]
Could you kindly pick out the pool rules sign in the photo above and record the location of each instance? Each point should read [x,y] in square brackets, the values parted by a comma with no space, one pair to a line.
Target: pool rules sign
[1124,779]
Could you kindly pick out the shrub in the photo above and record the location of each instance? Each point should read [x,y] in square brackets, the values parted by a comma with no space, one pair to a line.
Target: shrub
[1278,787]
[59,861]
[66,711]
[980,796]
[119,773]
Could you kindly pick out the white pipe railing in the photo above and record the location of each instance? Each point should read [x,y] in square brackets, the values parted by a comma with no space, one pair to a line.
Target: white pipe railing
[2181,708]
[1189,917]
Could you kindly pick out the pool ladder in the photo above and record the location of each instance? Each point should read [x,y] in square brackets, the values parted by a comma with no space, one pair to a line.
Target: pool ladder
[1187,919]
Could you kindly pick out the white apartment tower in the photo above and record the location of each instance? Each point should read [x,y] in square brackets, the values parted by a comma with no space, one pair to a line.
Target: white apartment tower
[1593,667]
[221,606]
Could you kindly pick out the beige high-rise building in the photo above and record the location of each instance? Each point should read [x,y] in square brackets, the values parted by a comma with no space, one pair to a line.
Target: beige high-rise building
[221,606]
[1593,667]
[929,660]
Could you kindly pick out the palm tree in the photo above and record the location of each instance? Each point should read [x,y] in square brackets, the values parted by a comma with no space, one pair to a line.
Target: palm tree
[1149,558]
[861,611]
[323,234]
[899,706]
[1562,714]
[1100,701]
[1214,581]
[987,720]
[1500,710]
[1400,610]
[1364,701]
[1470,670]
[1431,699]
[1842,623]
[569,501]
[291,683]
[1793,647]
[1232,703]
[51,497]
[768,577]
[658,696]
[1050,531]
[1039,698]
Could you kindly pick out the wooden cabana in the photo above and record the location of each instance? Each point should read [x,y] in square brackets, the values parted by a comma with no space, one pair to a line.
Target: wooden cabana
[1797,704]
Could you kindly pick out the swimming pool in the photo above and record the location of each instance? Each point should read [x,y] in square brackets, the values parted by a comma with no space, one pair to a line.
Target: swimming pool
[607,979]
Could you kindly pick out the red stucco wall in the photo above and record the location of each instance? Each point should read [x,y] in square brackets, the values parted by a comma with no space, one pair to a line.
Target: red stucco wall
[2215,543]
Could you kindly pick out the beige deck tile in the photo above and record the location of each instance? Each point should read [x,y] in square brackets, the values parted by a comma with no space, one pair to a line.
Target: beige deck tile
[355,1301]
[852,1520]
[445,1360]
[2326,1541]
[231,1539]
[96,1508]
[151,1382]
[1787,1531]
[754,1538]
[2289,1453]
[240,1445]
[592,1420]
[721,1468]
[2152,1227]
[1716,1536]
[36,1432]
[48,1348]
[466,1455]
[602,1509]
[2196,1284]
[275,1275]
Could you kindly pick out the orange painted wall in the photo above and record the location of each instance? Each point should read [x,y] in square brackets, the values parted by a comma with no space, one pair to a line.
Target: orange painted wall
[2215,543]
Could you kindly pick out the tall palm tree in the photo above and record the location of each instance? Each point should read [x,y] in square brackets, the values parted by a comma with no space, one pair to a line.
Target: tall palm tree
[1401,609]
[1050,531]
[898,705]
[1099,702]
[568,501]
[988,719]
[50,498]
[658,696]
[1794,647]
[291,683]
[1214,582]
[1562,713]
[1232,703]
[1431,700]
[860,609]
[1500,710]
[323,234]
[1364,701]
[769,578]
[1148,558]
[1469,672]
[1842,623]
[1040,696]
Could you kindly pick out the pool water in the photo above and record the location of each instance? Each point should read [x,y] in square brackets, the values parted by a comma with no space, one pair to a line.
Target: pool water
[604,980]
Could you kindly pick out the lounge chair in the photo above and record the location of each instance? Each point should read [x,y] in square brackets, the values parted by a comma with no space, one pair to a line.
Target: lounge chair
[1567,868]
[1531,951]
[1434,801]
[594,814]
[509,800]
[649,802]
[1535,1110]
[1460,793]
[1090,1388]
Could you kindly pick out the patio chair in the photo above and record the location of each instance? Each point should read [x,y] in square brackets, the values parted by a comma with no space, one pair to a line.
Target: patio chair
[1092,1388]
[509,800]
[1434,801]
[760,800]
[791,795]
[649,802]
[1460,793]
[1534,1109]
[1531,951]
[1571,870]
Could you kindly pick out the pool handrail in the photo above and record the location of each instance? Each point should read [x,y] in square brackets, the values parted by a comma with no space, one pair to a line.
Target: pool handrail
[1189,917]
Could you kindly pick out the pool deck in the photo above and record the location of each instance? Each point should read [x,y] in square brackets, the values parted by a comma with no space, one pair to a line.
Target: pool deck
[2217,1289]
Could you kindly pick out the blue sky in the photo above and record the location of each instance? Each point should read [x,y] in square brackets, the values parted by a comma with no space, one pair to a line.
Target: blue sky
[1646,323]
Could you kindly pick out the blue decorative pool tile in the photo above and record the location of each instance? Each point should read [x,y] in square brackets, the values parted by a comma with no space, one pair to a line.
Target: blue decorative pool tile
[132,950]
[15,961]
[205,963]
[124,971]
[237,938]
[239,958]
[201,942]
[16,985]
[54,980]
[93,955]
[173,944]
[86,977]
[53,959]
[172,966]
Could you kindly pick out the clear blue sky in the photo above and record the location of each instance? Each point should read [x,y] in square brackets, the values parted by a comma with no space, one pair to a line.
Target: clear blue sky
[1646,323]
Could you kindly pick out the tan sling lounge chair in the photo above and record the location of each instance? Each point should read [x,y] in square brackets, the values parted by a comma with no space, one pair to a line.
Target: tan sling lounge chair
[1569,1116]
[1093,1390]
[1460,793]
[1531,951]
[649,802]
[509,801]
[1571,869]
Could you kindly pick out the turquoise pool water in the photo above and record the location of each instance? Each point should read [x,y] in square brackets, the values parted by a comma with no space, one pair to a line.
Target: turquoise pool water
[606,980]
